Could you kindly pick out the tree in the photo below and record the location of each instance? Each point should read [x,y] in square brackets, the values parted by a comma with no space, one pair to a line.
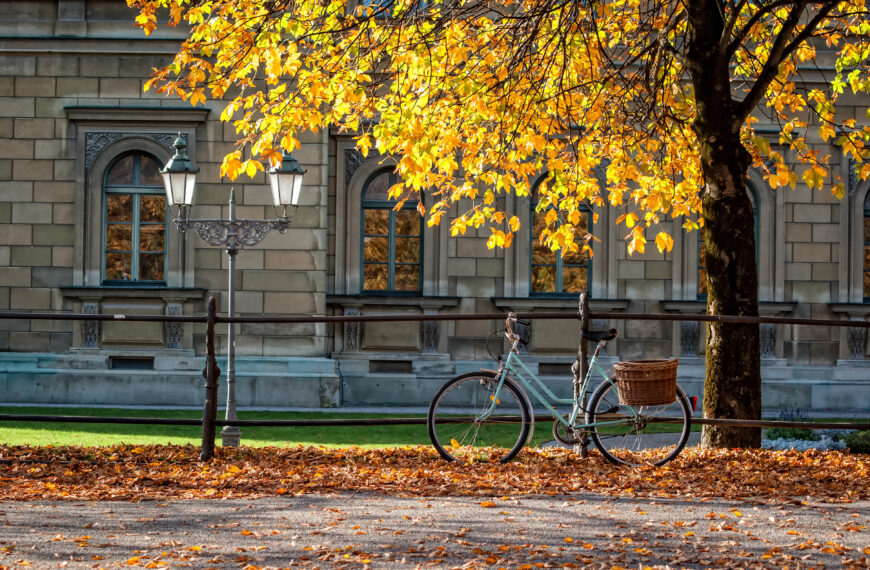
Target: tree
[474,98]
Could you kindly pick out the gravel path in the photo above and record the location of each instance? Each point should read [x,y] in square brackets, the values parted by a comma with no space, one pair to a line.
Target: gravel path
[380,531]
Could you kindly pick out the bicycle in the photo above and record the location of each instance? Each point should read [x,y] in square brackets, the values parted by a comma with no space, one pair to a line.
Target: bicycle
[488,415]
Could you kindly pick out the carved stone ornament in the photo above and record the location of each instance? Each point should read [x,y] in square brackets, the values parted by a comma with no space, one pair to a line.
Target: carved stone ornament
[174,330]
[353,158]
[689,333]
[351,332]
[857,343]
[91,329]
[431,335]
[95,142]
[768,340]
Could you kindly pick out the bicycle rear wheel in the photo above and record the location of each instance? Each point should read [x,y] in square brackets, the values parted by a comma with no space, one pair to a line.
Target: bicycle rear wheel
[640,437]
[460,428]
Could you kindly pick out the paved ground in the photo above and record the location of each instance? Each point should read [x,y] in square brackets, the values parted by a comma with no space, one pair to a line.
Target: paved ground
[442,532]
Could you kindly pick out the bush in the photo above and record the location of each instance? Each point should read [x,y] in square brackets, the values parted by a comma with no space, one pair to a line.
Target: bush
[859,441]
[792,433]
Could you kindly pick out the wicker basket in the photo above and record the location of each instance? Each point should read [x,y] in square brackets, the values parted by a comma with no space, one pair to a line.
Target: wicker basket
[646,382]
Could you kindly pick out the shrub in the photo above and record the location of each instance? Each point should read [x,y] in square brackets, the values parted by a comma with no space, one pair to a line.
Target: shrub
[859,441]
[792,433]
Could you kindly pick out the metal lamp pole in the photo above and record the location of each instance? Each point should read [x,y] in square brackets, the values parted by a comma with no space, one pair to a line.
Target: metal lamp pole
[232,234]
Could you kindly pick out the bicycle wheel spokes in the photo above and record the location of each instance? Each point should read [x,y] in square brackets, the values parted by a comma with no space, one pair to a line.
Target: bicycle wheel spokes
[465,426]
[644,434]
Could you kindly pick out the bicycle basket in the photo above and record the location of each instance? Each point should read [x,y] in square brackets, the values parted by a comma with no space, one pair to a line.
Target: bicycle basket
[646,382]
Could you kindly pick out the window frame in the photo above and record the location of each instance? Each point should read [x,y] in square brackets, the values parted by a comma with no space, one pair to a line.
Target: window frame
[391,236]
[136,190]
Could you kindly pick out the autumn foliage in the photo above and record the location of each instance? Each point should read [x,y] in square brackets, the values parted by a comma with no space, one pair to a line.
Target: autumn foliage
[133,473]
[475,99]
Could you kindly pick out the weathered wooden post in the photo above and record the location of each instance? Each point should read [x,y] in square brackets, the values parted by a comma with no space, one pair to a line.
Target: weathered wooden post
[581,365]
[211,373]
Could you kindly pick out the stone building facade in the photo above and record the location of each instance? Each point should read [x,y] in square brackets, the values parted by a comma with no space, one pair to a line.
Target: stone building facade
[79,139]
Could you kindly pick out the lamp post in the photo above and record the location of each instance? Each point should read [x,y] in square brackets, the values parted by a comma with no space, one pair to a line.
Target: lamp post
[179,178]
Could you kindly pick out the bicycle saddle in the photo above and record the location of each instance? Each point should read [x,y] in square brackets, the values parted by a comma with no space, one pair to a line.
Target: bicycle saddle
[600,335]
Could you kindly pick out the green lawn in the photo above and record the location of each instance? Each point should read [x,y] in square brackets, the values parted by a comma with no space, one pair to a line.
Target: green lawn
[88,434]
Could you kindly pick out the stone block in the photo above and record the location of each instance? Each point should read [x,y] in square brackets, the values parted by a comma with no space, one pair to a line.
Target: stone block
[826,233]
[208,258]
[55,234]
[100,67]
[475,287]
[63,213]
[34,128]
[798,271]
[34,86]
[30,342]
[555,336]
[658,270]
[295,260]
[812,253]
[7,128]
[807,292]
[472,247]
[28,255]
[463,267]
[290,303]
[122,88]
[785,395]
[648,289]
[53,192]
[138,67]
[35,213]
[15,276]
[17,106]
[6,88]
[247,259]
[17,191]
[5,255]
[17,65]
[78,87]
[630,269]
[57,66]
[64,170]
[490,267]
[54,107]
[11,148]
[812,213]
[4,298]
[401,336]
[15,234]
[132,333]
[54,149]
[247,302]
[32,170]
[62,256]
[296,239]
[30,298]
[5,169]
[283,281]
[825,272]
[52,276]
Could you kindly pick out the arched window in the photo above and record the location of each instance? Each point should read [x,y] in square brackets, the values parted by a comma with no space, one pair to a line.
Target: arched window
[134,219]
[551,272]
[702,247]
[392,245]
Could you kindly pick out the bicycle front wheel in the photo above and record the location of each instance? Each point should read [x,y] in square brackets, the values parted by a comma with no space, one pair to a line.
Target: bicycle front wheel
[639,435]
[471,420]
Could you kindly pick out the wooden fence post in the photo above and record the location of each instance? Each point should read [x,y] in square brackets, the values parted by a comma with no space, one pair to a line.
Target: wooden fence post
[211,373]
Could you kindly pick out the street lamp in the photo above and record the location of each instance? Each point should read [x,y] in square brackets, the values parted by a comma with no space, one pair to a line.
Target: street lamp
[179,178]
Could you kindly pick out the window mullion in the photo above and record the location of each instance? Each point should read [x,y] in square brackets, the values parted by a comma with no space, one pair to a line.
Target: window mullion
[134,238]
[391,252]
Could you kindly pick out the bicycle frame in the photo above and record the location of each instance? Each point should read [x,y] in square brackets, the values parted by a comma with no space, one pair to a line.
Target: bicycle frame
[530,382]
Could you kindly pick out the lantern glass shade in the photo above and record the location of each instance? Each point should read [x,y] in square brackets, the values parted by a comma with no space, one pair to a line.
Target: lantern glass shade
[286,181]
[180,187]
[286,188]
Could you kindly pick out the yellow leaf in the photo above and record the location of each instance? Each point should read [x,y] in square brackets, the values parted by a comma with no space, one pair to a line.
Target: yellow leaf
[487,504]
[664,242]
[454,443]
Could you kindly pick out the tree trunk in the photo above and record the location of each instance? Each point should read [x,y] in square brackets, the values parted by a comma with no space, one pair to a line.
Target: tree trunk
[732,387]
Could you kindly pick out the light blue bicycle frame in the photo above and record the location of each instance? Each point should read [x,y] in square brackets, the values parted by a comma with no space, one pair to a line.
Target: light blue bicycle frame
[529,381]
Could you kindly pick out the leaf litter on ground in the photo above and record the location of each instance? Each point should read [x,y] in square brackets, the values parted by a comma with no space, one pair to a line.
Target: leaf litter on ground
[133,473]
